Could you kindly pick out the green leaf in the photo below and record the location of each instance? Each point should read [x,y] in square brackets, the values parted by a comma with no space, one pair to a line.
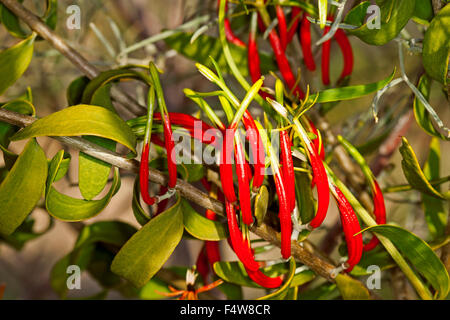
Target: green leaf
[22,188]
[423,11]
[93,173]
[200,227]
[433,208]
[395,14]
[67,208]
[349,92]
[12,23]
[109,76]
[74,93]
[414,173]
[261,204]
[436,46]
[420,112]
[149,248]
[326,291]
[304,196]
[206,46]
[351,289]
[420,254]
[379,257]
[191,172]
[281,293]
[14,61]
[81,120]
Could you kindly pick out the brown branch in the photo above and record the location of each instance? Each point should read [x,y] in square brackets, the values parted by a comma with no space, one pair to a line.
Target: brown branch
[307,256]
[38,26]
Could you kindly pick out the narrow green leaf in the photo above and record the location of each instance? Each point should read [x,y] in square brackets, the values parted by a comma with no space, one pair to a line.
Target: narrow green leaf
[420,254]
[433,208]
[22,188]
[81,120]
[349,92]
[281,293]
[14,61]
[200,227]
[420,112]
[206,46]
[436,46]
[149,248]
[414,173]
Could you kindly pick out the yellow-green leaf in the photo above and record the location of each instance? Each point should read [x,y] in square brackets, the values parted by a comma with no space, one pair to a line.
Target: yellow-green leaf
[81,120]
[14,61]
[395,14]
[420,254]
[351,289]
[67,208]
[149,248]
[200,227]
[281,293]
[414,173]
[22,188]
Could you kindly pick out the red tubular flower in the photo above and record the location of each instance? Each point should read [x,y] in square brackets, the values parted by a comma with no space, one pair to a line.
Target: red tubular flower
[305,42]
[288,168]
[202,265]
[326,49]
[143,176]
[347,52]
[239,245]
[323,195]
[379,210]
[231,37]
[283,64]
[282,26]
[226,170]
[243,182]
[295,16]
[257,149]
[263,280]
[253,57]
[351,227]
[170,146]
[284,216]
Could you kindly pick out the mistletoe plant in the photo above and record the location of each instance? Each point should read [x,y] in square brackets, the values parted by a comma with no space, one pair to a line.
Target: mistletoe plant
[259,158]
